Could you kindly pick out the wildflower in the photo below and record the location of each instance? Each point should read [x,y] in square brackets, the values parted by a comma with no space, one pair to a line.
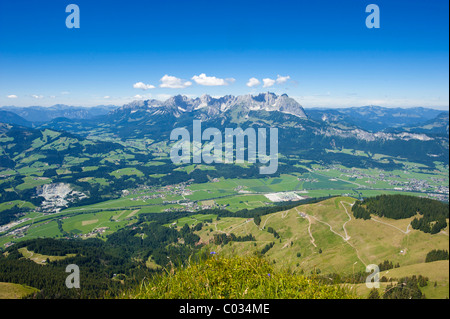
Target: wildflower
[212,253]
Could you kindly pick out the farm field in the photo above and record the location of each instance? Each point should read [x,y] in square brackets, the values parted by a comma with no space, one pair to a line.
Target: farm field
[322,237]
[231,194]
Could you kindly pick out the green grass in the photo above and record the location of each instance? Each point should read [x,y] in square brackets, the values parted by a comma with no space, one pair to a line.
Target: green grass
[100,181]
[60,144]
[86,223]
[239,202]
[324,182]
[32,182]
[18,203]
[45,229]
[224,192]
[112,204]
[5,239]
[155,163]
[39,258]
[129,171]
[32,158]
[234,278]
[190,168]
[89,168]
[15,291]
[369,242]
[193,220]
[437,272]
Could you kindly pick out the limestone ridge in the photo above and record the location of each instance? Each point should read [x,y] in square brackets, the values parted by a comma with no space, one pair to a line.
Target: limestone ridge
[212,107]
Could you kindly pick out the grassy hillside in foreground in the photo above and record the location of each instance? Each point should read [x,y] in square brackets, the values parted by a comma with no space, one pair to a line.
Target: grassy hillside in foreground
[235,278]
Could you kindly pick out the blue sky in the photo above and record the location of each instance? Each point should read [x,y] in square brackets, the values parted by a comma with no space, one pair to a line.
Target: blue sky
[319,52]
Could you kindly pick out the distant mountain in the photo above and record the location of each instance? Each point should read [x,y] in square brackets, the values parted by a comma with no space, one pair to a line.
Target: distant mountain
[374,118]
[307,134]
[18,143]
[12,118]
[155,119]
[40,114]
[438,125]
[210,107]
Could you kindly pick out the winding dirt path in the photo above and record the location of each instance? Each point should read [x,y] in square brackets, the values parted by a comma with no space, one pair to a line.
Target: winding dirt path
[347,237]
[331,228]
[304,215]
[261,228]
[285,214]
[231,229]
[310,233]
[404,232]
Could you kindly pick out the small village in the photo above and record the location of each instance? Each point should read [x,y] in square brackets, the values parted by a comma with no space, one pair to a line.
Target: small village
[434,188]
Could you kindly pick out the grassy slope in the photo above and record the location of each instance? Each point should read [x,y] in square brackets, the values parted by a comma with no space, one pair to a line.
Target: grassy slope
[236,277]
[436,271]
[40,259]
[15,291]
[370,242]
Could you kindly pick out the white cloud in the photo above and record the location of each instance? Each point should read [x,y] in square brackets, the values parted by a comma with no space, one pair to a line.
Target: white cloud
[163,97]
[106,97]
[142,97]
[282,79]
[65,92]
[12,96]
[203,79]
[143,86]
[252,82]
[168,81]
[37,96]
[268,82]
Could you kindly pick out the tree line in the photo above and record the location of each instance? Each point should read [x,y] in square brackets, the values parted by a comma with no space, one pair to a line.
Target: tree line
[223,239]
[436,254]
[433,212]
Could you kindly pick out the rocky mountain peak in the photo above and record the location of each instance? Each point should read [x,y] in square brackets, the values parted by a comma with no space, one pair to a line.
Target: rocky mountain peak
[214,106]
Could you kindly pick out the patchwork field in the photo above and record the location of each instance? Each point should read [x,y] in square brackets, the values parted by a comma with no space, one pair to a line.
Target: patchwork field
[231,194]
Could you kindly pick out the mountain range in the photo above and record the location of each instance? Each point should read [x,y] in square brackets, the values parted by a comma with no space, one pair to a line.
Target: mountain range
[369,118]
[375,118]
[210,107]
[41,114]
[8,117]
[418,134]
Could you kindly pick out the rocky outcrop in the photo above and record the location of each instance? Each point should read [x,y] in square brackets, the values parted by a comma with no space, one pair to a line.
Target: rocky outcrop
[58,196]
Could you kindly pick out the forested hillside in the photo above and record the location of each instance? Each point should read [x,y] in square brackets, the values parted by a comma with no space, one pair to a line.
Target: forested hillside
[433,213]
